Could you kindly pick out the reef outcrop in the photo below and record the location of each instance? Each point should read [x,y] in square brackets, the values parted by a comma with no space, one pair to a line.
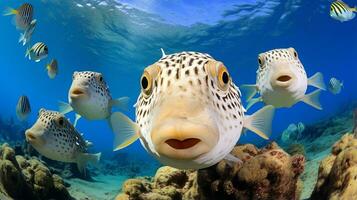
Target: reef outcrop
[337,176]
[22,178]
[276,176]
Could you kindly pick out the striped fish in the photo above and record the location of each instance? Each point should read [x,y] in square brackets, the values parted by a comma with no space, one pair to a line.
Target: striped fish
[23,108]
[52,69]
[23,15]
[335,86]
[37,52]
[341,11]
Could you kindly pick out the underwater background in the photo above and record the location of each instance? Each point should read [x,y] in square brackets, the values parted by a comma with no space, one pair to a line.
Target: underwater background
[120,38]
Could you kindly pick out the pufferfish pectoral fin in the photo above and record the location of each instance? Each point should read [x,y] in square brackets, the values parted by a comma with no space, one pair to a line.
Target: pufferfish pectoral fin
[78,116]
[249,91]
[125,130]
[253,101]
[64,107]
[313,99]
[121,103]
[84,158]
[317,80]
[260,122]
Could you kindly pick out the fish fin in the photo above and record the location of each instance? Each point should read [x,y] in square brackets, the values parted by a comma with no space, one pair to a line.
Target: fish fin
[253,101]
[260,122]
[121,103]
[78,116]
[249,91]
[125,130]
[163,52]
[27,53]
[89,144]
[317,80]
[22,38]
[313,99]
[37,60]
[354,9]
[84,158]
[64,107]
[232,160]
[10,11]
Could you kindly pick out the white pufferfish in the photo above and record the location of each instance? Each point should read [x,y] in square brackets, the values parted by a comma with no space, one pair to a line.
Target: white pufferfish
[282,81]
[54,137]
[89,97]
[189,114]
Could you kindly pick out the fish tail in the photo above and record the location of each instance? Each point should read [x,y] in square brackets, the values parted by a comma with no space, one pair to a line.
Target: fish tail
[22,39]
[10,11]
[125,130]
[27,53]
[85,158]
[354,9]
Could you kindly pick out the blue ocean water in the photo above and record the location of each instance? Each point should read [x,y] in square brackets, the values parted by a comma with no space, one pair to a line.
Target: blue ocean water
[121,38]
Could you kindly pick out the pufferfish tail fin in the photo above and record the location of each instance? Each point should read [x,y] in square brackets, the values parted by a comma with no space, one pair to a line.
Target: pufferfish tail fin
[317,80]
[125,130]
[249,91]
[260,122]
[10,11]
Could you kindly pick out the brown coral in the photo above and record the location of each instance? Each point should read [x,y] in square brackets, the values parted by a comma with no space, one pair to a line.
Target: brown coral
[28,179]
[267,173]
[337,178]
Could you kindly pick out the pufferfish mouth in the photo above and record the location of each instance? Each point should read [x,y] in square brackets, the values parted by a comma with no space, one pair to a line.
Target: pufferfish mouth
[77,93]
[185,144]
[183,139]
[284,78]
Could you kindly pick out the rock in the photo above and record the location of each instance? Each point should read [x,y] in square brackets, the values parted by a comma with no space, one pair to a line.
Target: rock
[276,176]
[337,177]
[28,179]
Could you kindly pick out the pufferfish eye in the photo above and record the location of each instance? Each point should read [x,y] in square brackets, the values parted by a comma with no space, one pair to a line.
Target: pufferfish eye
[60,121]
[220,73]
[223,77]
[294,53]
[100,78]
[146,83]
[147,79]
[261,61]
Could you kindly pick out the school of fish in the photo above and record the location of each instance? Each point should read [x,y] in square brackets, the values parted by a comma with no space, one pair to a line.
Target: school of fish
[188,114]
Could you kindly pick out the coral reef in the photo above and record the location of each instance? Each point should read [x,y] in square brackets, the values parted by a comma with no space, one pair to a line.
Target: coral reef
[337,176]
[296,148]
[276,176]
[22,178]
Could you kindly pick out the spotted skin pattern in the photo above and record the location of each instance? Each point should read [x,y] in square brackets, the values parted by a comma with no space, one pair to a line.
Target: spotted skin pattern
[62,142]
[96,106]
[184,76]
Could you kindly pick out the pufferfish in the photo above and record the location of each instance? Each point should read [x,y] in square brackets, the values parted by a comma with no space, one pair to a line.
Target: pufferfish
[282,81]
[189,114]
[54,137]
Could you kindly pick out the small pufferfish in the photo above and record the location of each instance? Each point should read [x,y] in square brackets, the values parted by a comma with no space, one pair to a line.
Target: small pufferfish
[189,113]
[54,137]
[282,81]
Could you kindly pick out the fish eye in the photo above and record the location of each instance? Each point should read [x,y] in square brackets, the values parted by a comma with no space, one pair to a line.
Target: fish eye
[60,121]
[100,78]
[295,54]
[146,85]
[261,61]
[223,77]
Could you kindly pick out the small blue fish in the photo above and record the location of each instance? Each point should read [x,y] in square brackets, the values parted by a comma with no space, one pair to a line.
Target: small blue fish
[335,86]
